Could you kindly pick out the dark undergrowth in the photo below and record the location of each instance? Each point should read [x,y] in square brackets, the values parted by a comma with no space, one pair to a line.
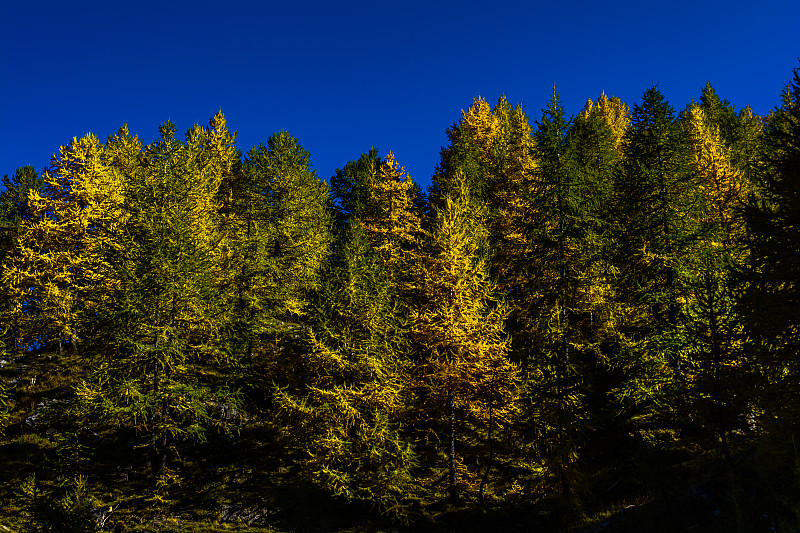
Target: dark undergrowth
[59,477]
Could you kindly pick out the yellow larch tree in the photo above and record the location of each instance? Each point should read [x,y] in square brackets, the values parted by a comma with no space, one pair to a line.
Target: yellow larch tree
[492,151]
[347,394]
[58,275]
[614,112]
[722,186]
[392,223]
[717,369]
[161,331]
[470,388]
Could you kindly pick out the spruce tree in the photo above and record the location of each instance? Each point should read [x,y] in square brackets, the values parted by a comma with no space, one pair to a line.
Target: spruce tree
[655,230]
[771,296]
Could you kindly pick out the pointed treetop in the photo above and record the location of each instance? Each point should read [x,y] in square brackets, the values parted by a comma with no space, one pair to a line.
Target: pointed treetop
[615,113]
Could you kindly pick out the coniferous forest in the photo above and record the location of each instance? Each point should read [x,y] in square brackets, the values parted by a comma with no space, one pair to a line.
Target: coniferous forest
[586,323]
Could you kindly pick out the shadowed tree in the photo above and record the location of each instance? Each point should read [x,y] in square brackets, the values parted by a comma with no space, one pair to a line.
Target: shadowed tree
[717,371]
[655,202]
[14,209]
[771,299]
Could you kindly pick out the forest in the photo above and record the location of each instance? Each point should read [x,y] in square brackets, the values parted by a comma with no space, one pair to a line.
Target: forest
[584,324]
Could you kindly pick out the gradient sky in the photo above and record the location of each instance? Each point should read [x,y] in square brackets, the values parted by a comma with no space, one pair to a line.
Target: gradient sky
[347,76]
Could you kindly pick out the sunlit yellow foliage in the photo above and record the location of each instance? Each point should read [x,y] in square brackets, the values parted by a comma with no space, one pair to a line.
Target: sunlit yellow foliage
[509,188]
[493,150]
[391,223]
[722,184]
[480,124]
[614,111]
[471,385]
[59,265]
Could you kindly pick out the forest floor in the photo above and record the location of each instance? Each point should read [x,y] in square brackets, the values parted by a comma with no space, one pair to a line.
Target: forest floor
[241,483]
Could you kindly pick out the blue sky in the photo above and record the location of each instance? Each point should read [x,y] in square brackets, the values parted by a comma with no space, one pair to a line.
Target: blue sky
[347,76]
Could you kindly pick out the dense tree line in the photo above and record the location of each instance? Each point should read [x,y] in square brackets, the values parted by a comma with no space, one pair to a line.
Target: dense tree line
[622,280]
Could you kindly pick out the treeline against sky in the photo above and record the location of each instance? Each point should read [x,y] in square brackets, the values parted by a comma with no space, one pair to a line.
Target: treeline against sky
[568,292]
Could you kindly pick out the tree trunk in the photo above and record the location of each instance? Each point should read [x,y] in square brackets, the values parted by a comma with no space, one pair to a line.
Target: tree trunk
[16,342]
[159,457]
[491,447]
[451,448]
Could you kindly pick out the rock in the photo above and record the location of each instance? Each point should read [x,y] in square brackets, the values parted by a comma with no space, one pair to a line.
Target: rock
[32,420]
[237,512]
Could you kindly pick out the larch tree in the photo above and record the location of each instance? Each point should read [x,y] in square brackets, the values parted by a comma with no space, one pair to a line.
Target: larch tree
[469,154]
[278,234]
[159,371]
[595,151]
[57,274]
[14,209]
[614,112]
[717,369]
[471,387]
[567,273]
[595,148]
[492,155]
[346,404]
[493,151]
[390,220]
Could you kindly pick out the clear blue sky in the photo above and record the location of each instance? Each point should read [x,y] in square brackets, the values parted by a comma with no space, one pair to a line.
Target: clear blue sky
[347,76]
